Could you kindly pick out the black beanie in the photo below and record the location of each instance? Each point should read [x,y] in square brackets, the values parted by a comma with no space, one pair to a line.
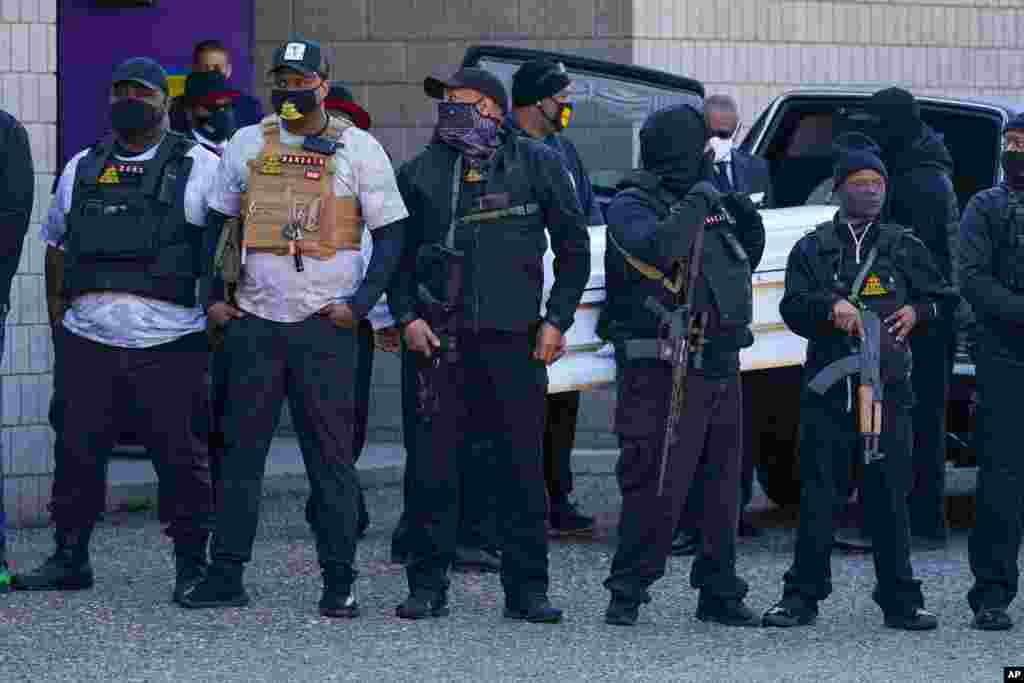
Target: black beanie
[1016,122]
[856,152]
[535,80]
[894,106]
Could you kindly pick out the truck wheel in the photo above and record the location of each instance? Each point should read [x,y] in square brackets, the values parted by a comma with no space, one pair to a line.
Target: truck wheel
[771,409]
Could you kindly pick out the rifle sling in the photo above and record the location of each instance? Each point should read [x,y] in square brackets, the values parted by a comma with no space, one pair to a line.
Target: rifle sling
[647,270]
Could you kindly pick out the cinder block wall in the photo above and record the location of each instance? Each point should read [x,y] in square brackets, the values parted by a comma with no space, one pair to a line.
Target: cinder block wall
[28,91]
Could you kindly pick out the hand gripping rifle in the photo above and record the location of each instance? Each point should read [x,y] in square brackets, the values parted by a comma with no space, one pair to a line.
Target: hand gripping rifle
[867,362]
[443,319]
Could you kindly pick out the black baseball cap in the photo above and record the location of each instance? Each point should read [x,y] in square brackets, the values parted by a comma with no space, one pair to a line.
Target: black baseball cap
[484,82]
[142,70]
[305,56]
[340,98]
[206,87]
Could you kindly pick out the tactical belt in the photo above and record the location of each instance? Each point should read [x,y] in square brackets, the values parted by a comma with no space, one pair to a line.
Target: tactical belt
[483,216]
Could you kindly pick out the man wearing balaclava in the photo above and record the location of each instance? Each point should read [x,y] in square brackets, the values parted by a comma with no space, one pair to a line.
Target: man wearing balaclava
[921,197]
[123,237]
[852,262]
[992,277]
[286,310]
[542,107]
[654,222]
[483,199]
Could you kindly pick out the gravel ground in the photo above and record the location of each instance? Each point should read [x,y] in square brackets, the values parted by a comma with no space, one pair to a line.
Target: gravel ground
[125,629]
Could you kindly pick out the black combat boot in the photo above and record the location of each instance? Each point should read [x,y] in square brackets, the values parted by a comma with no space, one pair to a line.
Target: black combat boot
[917,619]
[68,569]
[190,563]
[789,612]
[992,619]
[338,601]
[422,604]
[622,611]
[728,611]
[566,519]
[222,587]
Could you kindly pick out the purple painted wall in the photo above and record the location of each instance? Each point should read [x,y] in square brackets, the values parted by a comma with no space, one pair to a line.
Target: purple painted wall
[91,41]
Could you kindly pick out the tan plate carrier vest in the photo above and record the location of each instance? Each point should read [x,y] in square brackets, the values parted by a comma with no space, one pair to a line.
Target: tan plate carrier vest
[290,186]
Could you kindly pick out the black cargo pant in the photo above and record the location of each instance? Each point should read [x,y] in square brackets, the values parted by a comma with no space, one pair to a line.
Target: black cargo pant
[363,383]
[709,449]
[933,351]
[497,386]
[477,525]
[829,442]
[994,543]
[311,363]
[165,386]
[562,410]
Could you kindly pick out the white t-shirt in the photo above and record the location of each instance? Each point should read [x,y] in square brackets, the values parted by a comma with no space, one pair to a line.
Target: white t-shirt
[118,318]
[272,288]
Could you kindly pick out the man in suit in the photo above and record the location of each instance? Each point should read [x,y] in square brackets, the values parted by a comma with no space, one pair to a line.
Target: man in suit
[734,171]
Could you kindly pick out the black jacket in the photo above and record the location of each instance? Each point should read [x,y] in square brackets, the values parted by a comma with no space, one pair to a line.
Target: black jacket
[504,259]
[17,190]
[636,224]
[922,198]
[991,269]
[819,274]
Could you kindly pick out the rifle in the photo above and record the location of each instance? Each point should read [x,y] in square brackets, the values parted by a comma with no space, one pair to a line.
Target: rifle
[866,361]
[443,317]
[680,334]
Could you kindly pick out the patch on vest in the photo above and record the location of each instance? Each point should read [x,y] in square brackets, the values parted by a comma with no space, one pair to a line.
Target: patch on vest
[873,287]
[270,166]
[313,175]
[473,176]
[302,160]
[289,112]
[110,176]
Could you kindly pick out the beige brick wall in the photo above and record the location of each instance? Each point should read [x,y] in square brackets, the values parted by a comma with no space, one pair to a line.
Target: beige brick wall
[28,91]
[756,49]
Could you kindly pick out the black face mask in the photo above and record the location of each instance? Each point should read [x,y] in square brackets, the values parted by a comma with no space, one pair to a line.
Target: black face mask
[131,118]
[292,105]
[1013,166]
[218,126]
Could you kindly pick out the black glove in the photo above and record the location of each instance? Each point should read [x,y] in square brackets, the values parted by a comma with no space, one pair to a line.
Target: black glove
[741,208]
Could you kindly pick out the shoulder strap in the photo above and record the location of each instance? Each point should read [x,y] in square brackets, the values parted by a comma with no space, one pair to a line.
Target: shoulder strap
[173,149]
[647,270]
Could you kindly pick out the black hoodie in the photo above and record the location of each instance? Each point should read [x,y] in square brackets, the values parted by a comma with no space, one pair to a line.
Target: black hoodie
[921,197]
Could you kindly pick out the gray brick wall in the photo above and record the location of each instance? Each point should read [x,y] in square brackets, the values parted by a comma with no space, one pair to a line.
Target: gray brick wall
[28,90]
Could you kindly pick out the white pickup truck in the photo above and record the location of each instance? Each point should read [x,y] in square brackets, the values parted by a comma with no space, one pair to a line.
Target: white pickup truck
[794,134]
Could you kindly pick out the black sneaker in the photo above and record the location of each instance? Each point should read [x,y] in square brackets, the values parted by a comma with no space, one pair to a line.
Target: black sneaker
[992,619]
[60,572]
[789,612]
[917,620]
[730,612]
[685,542]
[622,611]
[189,573]
[537,611]
[566,519]
[423,604]
[338,602]
[222,587]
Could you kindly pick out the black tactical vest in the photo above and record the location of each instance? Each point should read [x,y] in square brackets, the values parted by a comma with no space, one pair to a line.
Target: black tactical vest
[126,231]
[885,290]
[1009,257]
[723,290]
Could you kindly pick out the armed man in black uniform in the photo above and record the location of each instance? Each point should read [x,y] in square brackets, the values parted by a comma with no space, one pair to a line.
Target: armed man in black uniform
[851,278]
[665,213]
[479,202]
[125,230]
[992,276]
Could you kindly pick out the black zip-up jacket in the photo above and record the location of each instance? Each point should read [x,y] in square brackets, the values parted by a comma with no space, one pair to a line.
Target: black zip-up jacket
[504,274]
[17,191]
[991,263]
[811,288]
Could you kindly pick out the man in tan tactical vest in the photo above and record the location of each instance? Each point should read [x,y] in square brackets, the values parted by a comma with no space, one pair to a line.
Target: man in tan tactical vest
[289,288]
